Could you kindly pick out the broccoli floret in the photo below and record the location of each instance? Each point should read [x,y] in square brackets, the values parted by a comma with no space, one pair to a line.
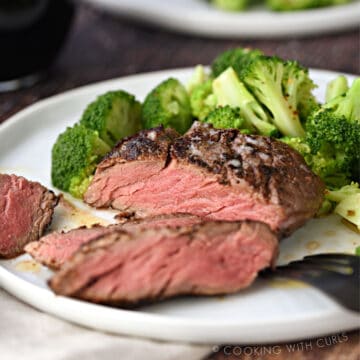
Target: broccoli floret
[75,155]
[168,104]
[227,118]
[348,202]
[298,87]
[202,100]
[290,5]
[229,90]
[336,87]
[347,104]
[276,85]
[300,146]
[237,58]
[198,77]
[113,115]
[341,194]
[230,5]
[333,132]
[324,164]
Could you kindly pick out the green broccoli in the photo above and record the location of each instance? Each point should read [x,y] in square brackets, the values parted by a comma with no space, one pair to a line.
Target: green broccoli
[290,5]
[348,202]
[113,115]
[229,90]
[336,87]
[198,77]
[344,192]
[357,251]
[347,104]
[202,100]
[75,155]
[333,131]
[168,104]
[332,141]
[298,88]
[237,58]
[230,5]
[279,87]
[330,168]
[227,117]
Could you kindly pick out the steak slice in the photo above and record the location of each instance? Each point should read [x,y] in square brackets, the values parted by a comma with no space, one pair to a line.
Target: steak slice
[144,154]
[129,268]
[211,173]
[57,247]
[26,209]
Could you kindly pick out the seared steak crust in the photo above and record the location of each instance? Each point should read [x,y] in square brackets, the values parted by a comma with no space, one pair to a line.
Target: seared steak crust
[127,269]
[26,209]
[145,144]
[258,160]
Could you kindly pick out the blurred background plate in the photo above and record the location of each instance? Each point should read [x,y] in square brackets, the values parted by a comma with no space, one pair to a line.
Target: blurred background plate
[197,17]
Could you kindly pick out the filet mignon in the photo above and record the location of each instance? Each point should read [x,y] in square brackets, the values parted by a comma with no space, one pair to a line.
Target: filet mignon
[26,209]
[129,268]
[211,173]
[55,248]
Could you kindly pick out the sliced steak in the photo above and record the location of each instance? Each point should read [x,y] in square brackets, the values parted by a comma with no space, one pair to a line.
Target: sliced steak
[129,268]
[144,156]
[26,209]
[55,248]
[214,174]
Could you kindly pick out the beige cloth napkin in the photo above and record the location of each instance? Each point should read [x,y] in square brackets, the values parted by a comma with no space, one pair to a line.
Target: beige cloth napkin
[26,333]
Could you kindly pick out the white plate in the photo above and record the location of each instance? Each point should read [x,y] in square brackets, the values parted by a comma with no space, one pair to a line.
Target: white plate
[267,312]
[198,17]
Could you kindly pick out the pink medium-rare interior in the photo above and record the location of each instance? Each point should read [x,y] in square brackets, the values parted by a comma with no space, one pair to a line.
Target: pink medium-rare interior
[131,175]
[156,264]
[178,188]
[18,203]
[54,249]
[160,266]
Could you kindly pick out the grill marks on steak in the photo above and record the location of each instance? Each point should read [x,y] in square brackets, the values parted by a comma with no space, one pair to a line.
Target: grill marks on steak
[123,268]
[279,185]
[158,221]
[54,249]
[26,209]
[211,173]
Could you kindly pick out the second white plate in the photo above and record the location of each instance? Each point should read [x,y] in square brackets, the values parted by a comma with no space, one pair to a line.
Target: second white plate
[198,17]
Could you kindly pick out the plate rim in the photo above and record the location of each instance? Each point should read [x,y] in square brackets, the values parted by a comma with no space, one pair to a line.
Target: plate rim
[178,329]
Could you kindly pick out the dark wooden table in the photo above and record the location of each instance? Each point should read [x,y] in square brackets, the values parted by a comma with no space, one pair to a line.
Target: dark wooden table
[101,47]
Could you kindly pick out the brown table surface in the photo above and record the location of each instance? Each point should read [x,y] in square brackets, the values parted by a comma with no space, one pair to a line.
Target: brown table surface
[102,47]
